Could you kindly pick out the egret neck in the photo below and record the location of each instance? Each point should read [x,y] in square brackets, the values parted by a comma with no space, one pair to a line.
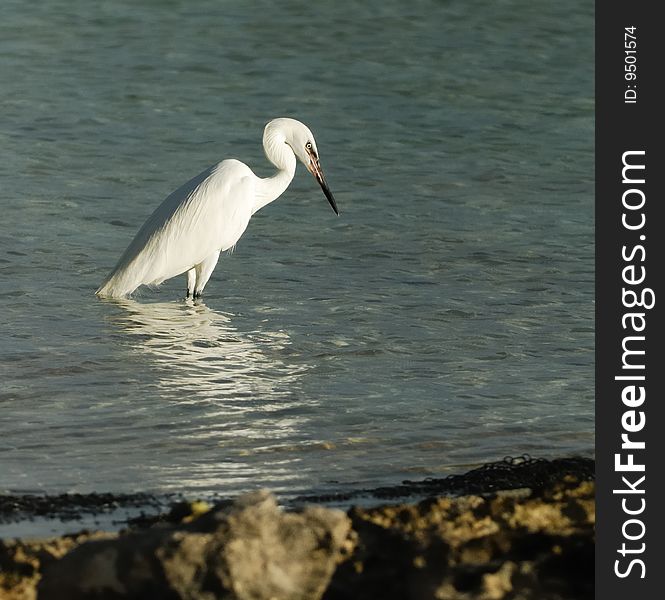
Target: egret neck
[280,154]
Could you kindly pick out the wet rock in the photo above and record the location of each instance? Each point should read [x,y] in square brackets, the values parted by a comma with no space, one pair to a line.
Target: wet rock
[71,506]
[249,550]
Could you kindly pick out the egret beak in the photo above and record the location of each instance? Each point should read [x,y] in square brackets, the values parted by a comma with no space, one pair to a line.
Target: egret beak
[315,169]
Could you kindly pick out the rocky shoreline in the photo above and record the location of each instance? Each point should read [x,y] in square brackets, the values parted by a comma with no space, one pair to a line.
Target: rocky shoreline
[517,529]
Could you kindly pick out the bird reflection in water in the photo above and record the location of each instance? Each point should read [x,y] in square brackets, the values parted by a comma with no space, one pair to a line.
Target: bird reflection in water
[221,387]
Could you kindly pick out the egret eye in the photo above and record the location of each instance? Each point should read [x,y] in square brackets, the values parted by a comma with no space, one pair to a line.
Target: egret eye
[308,146]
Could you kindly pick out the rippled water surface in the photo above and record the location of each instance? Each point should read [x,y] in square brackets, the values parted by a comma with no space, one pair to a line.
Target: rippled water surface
[443,320]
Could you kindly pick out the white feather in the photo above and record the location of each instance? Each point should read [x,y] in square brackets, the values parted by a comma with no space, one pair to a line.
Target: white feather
[206,215]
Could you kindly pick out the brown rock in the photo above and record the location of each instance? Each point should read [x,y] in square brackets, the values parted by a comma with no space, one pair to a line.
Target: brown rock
[525,544]
[250,550]
[522,545]
[21,563]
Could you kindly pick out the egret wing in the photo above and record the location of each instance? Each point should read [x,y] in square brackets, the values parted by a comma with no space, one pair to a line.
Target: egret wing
[208,213]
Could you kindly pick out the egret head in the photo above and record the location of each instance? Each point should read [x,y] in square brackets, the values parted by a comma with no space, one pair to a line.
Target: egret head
[301,140]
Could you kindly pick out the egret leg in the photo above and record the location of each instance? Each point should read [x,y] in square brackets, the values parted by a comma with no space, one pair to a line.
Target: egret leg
[204,271]
[191,281]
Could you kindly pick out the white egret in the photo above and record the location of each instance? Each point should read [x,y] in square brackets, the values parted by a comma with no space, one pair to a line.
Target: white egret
[210,212]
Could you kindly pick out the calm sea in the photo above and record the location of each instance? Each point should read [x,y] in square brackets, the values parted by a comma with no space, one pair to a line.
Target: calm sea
[445,319]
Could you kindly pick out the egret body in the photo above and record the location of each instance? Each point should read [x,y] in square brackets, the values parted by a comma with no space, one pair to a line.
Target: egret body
[210,212]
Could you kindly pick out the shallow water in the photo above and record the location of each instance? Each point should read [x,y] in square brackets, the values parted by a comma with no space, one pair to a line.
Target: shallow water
[443,320]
